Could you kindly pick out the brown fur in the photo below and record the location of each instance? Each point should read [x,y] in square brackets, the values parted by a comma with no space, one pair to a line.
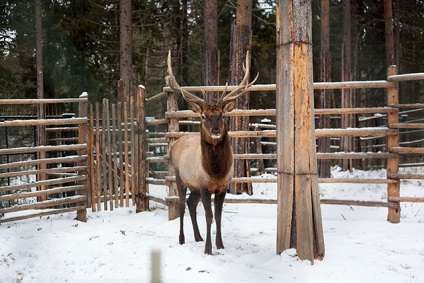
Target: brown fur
[205,164]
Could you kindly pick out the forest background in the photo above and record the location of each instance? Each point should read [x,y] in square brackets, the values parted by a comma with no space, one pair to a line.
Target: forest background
[81,42]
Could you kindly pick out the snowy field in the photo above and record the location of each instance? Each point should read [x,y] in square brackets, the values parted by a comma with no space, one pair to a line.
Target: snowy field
[361,246]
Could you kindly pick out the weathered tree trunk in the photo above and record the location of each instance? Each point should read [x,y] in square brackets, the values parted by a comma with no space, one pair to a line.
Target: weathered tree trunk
[184,42]
[241,43]
[41,112]
[347,120]
[325,95]
[299,223]
[388,21]
[125,49]
[211,46]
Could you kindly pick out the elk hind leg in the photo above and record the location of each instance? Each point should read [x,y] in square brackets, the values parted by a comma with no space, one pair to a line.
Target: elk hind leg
[182,190]
[192,202]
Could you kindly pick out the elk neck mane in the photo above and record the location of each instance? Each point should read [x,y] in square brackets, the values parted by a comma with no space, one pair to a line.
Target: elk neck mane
[217,155]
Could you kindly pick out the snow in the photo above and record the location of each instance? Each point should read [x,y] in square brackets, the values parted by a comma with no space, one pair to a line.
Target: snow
[361,246]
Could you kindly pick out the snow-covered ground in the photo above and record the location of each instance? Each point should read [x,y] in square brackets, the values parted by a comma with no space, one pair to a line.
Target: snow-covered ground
[361,246]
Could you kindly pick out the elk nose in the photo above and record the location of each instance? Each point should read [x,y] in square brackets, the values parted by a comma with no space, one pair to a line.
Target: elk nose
[216,131]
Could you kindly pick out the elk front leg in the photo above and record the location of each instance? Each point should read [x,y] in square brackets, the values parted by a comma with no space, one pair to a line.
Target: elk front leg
[181,206]
[219,201]
[192,202]
[206,200]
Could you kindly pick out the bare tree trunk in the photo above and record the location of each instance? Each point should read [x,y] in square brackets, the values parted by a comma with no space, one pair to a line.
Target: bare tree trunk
[211,46]
[388,21]
[241,43]
[326,95]
[347,143]
[41,110]
[184,42]
[125,49]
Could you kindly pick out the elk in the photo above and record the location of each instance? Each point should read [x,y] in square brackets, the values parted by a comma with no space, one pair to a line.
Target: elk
[204,164]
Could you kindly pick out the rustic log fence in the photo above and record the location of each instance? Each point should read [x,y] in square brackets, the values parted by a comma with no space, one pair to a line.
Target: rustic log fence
[107,159]
[117,154]
[57,182]
[390,132]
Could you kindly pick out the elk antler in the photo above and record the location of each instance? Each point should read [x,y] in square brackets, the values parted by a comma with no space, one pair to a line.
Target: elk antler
[172,83]
[243,86]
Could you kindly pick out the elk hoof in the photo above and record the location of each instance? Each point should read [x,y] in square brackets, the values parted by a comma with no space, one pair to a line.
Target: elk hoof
[208,249]
[182,239]
[198,238]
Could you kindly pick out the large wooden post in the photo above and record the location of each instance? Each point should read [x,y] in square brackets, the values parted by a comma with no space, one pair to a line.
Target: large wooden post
[143,167]
[299,223]
[393,189]
[173,126]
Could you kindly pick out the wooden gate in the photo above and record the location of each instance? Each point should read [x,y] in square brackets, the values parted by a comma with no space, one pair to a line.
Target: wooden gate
[117,154]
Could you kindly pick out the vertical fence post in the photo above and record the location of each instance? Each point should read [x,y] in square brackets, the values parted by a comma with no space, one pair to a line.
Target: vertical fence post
[83,138]
[91,163]
[173,126]
[393,189]
[142,203]
[299,223]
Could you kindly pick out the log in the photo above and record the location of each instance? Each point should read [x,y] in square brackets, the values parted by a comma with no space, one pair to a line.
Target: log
[156,122]
[357,132]
[121,155]
[52,171]
[98,161]
[68,159]
[405,199]
[356,155]
[299,222]
[371,110]
[21,150]
[407,150]
[405,176]
[23,123]
[41,101]
[126,149]
[133,154]
[405,77]
[45,204]
[44,183]
[352,85]
[114,149]
[392,166]
[91,157]
[41,214]
[406,125]
[42,193]
[359,203]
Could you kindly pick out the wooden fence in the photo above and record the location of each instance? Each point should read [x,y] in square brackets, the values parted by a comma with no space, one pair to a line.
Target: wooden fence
[390,133]
[104,159]
[57,177]
[117,153]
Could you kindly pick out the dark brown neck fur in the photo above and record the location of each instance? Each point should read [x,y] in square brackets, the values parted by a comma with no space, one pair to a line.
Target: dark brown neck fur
[217,156]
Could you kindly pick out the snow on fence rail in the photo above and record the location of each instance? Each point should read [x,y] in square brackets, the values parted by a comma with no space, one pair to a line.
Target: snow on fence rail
[390,133]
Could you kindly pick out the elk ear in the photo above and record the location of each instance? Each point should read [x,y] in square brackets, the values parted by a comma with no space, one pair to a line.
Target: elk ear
[229,106]
[195,107]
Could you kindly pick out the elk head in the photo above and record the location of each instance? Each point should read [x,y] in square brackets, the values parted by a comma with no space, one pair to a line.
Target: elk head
[212,115]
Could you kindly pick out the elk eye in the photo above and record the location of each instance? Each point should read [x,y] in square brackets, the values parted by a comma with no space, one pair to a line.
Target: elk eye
[203,117]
